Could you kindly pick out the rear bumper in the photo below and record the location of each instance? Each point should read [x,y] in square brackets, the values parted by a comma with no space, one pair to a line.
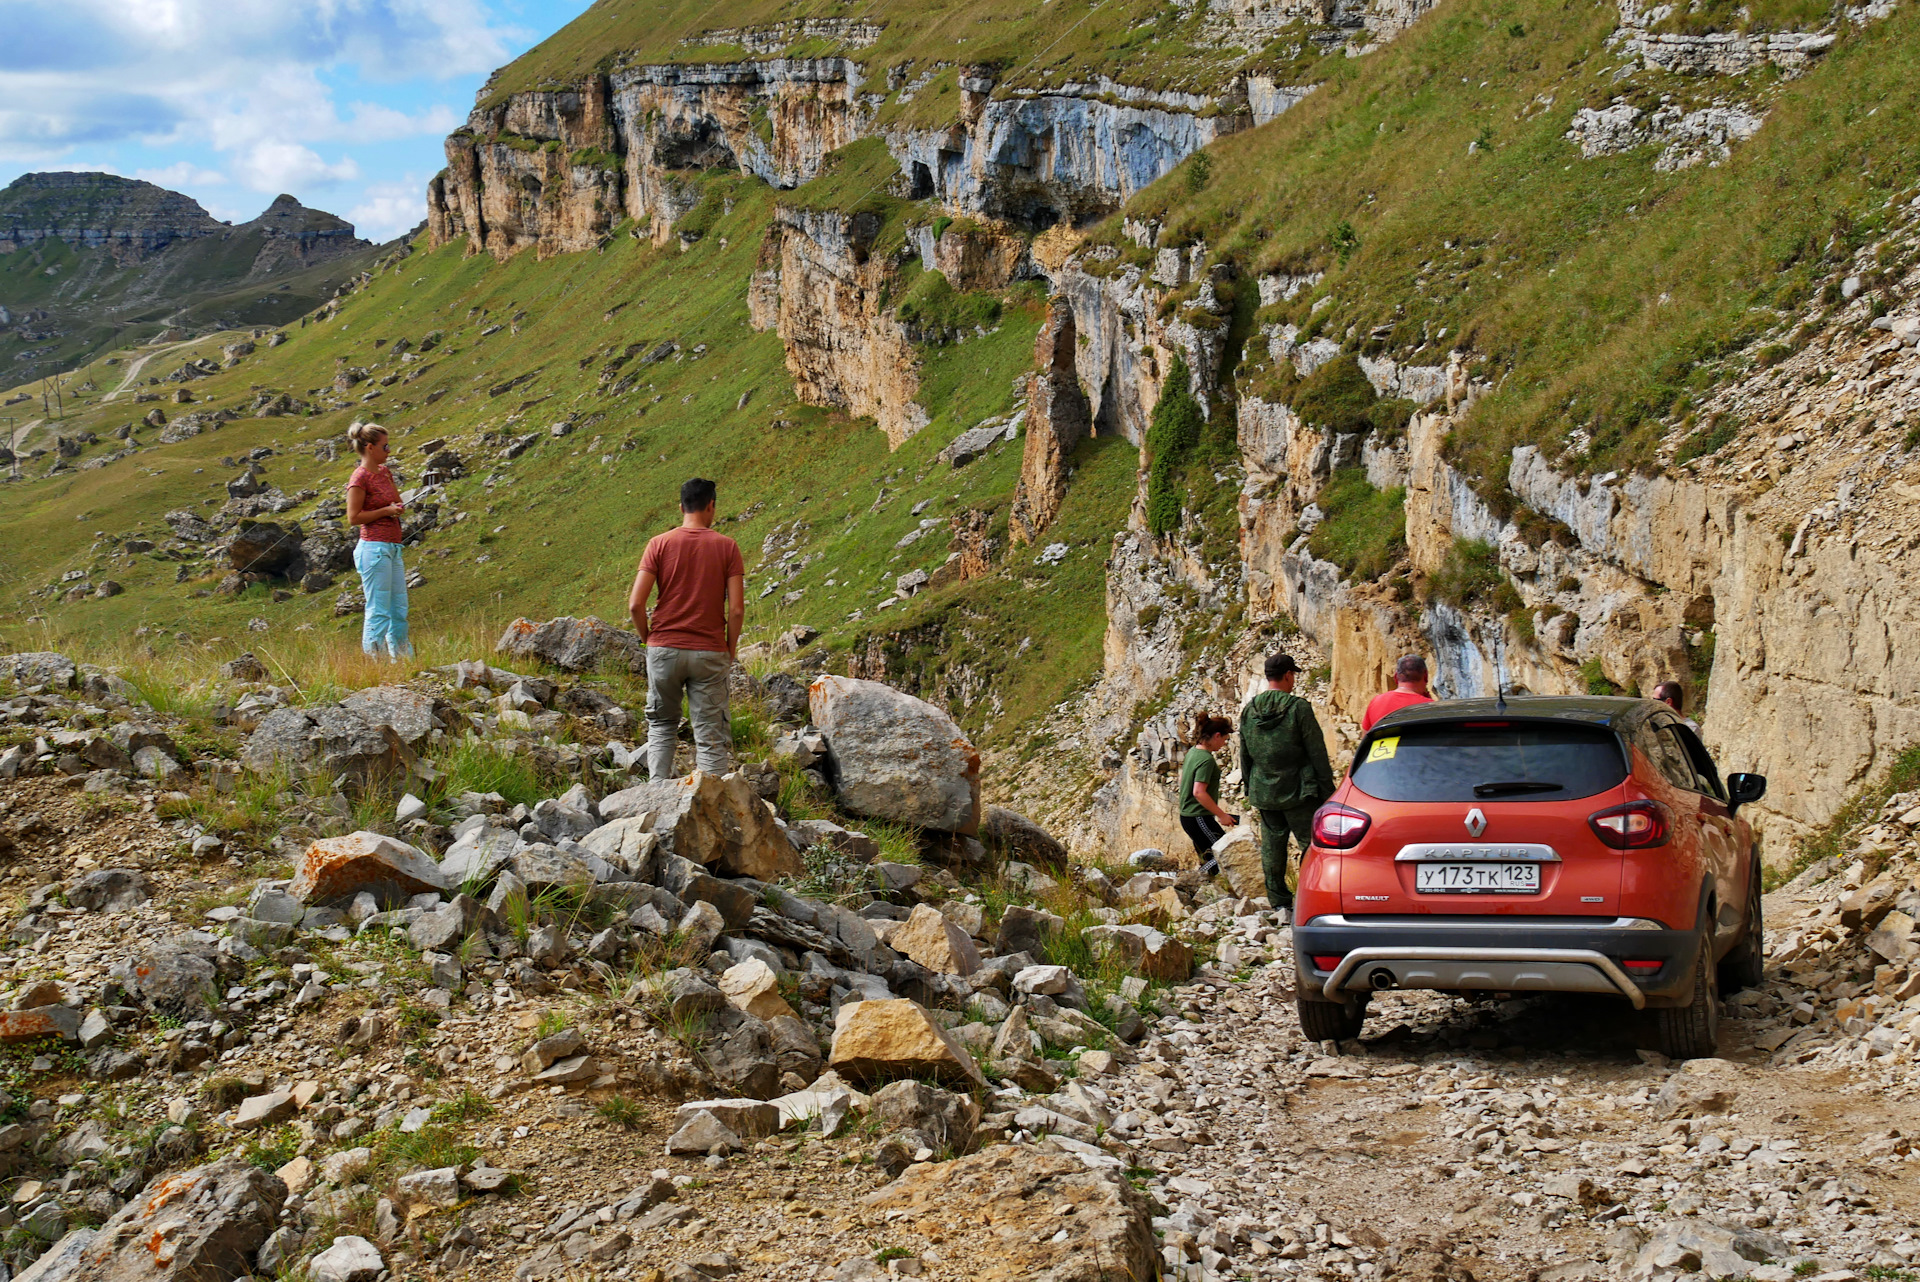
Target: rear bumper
[1338,957]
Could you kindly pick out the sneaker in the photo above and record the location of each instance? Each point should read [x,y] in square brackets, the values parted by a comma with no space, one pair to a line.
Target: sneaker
[1283,916]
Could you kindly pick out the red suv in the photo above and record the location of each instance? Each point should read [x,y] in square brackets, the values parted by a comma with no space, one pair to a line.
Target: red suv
[1532,844]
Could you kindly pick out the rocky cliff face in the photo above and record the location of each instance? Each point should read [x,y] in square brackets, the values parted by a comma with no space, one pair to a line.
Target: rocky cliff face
[132,219]
[824,289]
[1772,580]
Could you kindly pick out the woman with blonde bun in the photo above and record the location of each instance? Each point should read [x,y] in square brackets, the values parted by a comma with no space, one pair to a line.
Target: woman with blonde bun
[373,504]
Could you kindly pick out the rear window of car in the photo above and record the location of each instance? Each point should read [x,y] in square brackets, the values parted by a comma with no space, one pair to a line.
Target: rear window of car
[1489,761]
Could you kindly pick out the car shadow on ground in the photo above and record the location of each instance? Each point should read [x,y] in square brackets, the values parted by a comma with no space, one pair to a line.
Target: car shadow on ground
[1575,1026]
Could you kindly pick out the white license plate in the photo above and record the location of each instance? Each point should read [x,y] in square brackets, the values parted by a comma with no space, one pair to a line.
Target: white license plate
[1477,879]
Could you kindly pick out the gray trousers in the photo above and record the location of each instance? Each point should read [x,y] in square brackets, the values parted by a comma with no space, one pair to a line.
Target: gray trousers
[701,676]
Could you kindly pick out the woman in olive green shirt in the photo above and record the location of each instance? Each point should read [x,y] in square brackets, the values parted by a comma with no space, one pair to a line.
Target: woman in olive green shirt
[1200,814]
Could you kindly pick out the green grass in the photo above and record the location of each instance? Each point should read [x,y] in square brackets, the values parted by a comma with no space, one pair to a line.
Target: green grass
[1602,293]
[577,509]
[1135,41]
[1365,529]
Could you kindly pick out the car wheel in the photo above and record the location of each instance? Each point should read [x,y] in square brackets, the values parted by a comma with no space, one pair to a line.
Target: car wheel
[1693,1031]
[1331,1021]
[1745,967]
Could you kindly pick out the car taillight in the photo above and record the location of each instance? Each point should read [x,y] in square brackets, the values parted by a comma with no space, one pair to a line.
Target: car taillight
[1632,826]
[1643,965]
[1326,962]
[1338,827]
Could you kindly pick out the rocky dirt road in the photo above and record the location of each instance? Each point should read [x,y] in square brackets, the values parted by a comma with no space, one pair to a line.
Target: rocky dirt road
[1528,1138]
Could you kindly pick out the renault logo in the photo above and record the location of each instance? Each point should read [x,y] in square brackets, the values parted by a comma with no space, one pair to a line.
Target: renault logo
[1476,823]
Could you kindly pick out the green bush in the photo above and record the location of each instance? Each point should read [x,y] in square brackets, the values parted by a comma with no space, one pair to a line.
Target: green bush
[1365,530]
[1471,575]
[1338,398]
[931,302]
[1595,678]
[1171,438]
[1718,433]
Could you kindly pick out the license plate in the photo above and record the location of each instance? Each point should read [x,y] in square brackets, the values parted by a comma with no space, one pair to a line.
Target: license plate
[1477,879]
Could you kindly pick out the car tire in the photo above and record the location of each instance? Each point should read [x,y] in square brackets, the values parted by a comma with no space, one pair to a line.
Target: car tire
[1746,966]
[1331,1021]
[1693,1031]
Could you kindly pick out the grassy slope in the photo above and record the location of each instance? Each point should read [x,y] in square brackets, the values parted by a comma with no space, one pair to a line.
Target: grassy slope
[98,304]
[569,526]
[1606,295]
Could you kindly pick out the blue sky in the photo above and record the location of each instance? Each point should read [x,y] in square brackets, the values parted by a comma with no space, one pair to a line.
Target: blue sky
[343,103]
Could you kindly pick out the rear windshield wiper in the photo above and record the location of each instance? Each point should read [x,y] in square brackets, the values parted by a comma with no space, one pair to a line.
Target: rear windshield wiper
[1515,785]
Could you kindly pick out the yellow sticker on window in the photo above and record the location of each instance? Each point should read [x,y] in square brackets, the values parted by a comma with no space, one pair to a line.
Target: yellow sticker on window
[1383,749]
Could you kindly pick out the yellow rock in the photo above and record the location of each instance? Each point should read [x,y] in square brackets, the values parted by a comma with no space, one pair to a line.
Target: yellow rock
[754,988]
[936,943]
[880,1041]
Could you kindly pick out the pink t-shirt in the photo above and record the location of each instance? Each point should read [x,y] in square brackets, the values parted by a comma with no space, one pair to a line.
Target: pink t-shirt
[380,492]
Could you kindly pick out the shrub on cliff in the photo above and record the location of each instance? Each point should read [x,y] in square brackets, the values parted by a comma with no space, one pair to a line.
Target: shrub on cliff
[1336,397]
[1171,438]
[1364,531]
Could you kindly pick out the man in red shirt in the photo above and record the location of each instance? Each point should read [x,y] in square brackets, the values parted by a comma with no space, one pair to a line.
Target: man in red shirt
[694,633]
[1411,674]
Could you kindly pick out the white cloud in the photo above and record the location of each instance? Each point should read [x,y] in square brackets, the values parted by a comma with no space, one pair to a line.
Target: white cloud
[389,208]
[273,166]
[263,95]
[182,173]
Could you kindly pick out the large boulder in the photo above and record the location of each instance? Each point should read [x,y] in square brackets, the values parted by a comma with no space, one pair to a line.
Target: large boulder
[204,1224]
[1144,950]
[264,547]
[739,1050]
[576,645]
[1012,835]
[896,757]
[411,716]
[39,667]
[329,741]
[1013,1229]
[1238,853]
[942,1119]
[716,820]
[880,1041]
[335,869]
[109,890]
[178,977]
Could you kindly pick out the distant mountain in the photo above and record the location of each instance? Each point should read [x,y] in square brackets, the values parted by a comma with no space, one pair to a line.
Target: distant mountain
[91,261]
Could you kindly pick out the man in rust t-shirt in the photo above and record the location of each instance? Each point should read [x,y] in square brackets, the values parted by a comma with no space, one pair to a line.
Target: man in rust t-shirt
[693,634]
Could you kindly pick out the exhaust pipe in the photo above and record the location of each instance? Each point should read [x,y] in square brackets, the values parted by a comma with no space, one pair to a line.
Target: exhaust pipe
[1382,978]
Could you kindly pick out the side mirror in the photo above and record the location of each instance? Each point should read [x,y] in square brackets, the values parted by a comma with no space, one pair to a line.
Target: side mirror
[1743,788]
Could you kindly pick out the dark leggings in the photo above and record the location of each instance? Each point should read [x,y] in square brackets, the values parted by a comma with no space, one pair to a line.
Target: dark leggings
[1205,830]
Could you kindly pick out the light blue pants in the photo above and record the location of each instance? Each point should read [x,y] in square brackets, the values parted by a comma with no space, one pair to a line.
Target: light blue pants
[383,580]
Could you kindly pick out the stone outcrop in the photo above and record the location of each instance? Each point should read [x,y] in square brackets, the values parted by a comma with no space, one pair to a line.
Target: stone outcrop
[575,645]
[825,291]
[1058,418]
[1108,1238]
[896,757]
[133,219]
[207,1222]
